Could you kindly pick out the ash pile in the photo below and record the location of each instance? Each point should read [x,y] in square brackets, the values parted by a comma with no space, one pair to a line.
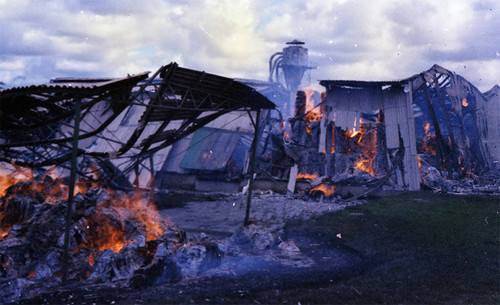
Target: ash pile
[440,181]
[115,237]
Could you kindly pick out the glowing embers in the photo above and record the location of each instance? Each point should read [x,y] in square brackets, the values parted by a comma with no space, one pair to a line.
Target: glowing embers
[4,231]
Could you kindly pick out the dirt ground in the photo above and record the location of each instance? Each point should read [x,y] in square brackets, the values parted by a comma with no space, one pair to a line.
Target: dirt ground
[221,215]
[417,248]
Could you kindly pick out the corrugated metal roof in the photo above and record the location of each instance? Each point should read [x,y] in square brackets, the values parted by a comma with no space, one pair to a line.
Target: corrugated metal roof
[223,91]
[73,85]
[360,84]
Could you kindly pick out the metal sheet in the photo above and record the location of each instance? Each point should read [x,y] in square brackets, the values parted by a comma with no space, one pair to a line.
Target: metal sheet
[210,149]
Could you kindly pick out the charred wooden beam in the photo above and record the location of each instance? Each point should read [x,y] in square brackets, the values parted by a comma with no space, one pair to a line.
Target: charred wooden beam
[452,153]
[443,148]
[252,167]
[71,191]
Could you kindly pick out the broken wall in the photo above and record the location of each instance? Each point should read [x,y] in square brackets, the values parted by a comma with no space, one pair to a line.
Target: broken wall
[452,123]
[344,107]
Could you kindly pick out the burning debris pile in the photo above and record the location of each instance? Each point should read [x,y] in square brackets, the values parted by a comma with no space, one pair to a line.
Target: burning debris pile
[439,182]
[115,236]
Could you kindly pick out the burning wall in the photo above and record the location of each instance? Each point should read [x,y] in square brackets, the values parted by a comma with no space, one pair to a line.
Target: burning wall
[370,119]
[436,117]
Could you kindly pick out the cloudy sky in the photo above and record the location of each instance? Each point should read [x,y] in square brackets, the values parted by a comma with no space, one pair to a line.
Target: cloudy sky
[347,39]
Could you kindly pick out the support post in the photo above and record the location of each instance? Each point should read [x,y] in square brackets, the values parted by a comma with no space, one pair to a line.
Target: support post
[71,190]
[443,149]
[252,167]
[152,180]
[328,150]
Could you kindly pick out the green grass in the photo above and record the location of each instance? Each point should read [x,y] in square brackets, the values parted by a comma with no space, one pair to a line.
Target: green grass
[427,249]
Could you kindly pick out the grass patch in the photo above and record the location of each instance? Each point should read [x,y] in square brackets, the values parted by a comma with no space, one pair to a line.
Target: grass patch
[427,249]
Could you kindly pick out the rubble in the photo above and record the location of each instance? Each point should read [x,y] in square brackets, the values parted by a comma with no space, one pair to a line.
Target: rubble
[116,237]
[434,180]
[110,241]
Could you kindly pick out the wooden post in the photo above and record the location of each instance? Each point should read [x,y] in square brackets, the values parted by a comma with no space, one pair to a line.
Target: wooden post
[71,186]
[442,146]
[329,160]
[152,179]
[252,167]
[292,178]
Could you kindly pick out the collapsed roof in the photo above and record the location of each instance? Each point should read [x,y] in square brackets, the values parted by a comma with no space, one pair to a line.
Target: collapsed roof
[437,102]
[38,122]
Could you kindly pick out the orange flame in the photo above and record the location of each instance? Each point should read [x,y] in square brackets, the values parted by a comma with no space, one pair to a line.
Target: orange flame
[92,258]
[307,176]
[427,128]
[368,147]
[429,140]
[327,190]
[32,274]
[110,218]
[313,114]
[112,235]
[365,164]
[4,231]
[9,179]
[464,102]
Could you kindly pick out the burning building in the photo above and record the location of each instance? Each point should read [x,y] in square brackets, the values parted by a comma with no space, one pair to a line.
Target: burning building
[392,127]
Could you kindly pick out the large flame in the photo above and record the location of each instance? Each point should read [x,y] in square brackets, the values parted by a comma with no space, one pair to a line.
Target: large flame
[368,146]
[111,232]
[112,218]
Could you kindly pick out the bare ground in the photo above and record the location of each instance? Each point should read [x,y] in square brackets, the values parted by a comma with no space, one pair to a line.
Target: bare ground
[417,248]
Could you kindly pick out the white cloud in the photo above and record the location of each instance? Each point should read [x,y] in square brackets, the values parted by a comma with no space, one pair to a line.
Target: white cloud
[347,38]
